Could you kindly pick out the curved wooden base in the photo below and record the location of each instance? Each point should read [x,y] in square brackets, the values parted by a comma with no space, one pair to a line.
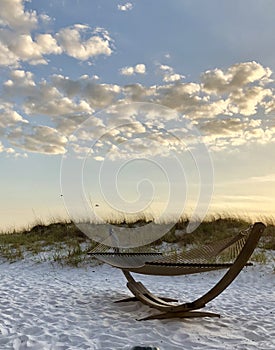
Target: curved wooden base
[186,310]
[186,314]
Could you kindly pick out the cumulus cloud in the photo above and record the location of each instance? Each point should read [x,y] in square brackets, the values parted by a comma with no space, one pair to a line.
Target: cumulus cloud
[89,94]
[8,151]
[140,68]
[20,40]
[137,69]
[100,95]
[9,118]
[7,57]
[13,15]
[245,101]
[172,77]
[134,139]
[72,42]
[68,40]
[184,97]
[138,92]
[58,106]
[38,139]
[47,44]
[235,77]
[226,111]
[27,49]
[16,42]
[20,79]
[168,74]
[223,134]
[68,124]
[22,47]
[224,127]
[59,96]
[21,134]
[126,7]
[259,135]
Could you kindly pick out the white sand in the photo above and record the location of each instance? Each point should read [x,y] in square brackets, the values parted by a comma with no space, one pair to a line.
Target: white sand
[46,307]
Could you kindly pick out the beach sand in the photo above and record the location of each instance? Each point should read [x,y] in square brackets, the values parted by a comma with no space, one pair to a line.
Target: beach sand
[49,307]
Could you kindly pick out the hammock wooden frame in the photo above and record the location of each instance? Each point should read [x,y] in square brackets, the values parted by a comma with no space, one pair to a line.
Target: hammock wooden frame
[167,306]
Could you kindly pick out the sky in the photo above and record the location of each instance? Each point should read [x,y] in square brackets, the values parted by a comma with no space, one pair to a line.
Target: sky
[156,107]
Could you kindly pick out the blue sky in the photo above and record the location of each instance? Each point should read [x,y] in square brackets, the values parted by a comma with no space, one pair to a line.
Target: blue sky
[167,66]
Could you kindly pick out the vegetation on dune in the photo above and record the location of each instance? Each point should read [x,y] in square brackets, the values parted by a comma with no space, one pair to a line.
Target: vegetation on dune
[65,244]
[60,242]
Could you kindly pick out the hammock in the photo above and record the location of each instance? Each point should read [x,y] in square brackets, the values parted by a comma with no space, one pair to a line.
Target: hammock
[231,253]
[200,259]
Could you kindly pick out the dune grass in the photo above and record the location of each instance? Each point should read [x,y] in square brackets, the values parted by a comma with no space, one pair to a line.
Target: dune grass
[65,244]
[59,242]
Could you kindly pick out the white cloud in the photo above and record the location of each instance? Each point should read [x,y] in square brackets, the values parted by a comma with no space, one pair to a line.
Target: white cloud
[61,95]
[245,101]
[45,18]
[126,7]
[18,43]
[20,78]
[237,76]
[14,15]
[137,69]
[100,95]
[72,42]
[224,117]
[127,71]
[169,76]
[39,139]
[9,117]
[226,133]
[183,97]
[232,127]
[255,123]
[27,49]
[22,47]
[7,57]
[138,92]
[165,68]
[202,109]
[99,158]
[7,150]
[21,84]
[68,86]
[68,124]
[140,68]
[59,105]
[47,44]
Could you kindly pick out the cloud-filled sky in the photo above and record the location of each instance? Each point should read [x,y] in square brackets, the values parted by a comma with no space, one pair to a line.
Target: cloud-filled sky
[90,76]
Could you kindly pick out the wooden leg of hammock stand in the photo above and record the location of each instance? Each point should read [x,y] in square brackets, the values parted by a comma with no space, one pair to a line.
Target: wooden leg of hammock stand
[126,300]
[129,299]
[151,300]
[138,288]
[185,314]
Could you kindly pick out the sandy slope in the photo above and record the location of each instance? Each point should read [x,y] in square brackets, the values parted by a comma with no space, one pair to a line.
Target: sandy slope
[46,307]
